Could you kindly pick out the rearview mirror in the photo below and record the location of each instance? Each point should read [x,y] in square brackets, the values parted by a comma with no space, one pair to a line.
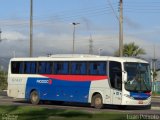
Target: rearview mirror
[124,76]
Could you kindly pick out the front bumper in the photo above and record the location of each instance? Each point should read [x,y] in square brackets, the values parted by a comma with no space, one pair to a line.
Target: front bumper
[131,101]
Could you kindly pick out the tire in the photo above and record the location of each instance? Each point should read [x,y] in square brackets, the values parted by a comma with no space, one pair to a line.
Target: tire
[34,97]
[97,101]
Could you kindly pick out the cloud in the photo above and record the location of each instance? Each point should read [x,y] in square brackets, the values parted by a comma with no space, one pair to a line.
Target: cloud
[44,43]
[57,37]
[13,35]
[131,24]
[63,43]
[146,44]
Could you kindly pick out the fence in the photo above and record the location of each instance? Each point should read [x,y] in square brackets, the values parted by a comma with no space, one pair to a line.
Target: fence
[156,87]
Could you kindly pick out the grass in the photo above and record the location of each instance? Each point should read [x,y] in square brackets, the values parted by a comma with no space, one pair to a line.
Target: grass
[155,93]
[39,113]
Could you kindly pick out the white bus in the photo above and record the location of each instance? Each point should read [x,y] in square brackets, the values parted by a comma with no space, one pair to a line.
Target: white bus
[97,80]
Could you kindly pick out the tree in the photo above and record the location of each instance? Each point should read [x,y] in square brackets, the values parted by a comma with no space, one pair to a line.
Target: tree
[3,80]
[154,75]
[131,50]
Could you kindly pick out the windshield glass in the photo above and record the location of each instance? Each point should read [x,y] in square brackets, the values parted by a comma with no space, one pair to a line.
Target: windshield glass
[138,77]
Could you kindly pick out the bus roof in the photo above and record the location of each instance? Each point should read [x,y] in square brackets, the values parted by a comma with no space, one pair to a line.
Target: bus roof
[79,57]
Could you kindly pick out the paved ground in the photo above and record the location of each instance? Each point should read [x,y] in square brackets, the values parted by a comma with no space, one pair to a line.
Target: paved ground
[85,107]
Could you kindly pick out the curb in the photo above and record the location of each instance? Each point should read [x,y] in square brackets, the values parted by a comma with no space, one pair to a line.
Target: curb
[155,97]
[155,108]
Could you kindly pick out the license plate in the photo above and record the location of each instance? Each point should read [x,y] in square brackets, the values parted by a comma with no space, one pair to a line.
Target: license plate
[140,102]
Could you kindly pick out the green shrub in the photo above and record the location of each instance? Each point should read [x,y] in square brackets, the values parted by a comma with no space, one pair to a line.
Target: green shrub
[3,80]
[155,93]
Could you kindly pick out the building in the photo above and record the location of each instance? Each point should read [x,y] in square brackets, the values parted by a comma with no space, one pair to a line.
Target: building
[156,84]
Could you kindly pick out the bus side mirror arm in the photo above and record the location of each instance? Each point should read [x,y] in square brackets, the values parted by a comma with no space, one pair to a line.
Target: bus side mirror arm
[124,76]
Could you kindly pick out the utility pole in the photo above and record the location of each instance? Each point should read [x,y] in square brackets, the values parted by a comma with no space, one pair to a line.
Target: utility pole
[121,28]
[154,60]
[90,45]
[31,28]
[74,27]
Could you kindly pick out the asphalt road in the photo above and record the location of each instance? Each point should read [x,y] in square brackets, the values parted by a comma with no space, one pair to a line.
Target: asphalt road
[155,109]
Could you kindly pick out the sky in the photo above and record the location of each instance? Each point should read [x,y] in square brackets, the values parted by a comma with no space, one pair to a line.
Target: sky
[53,29]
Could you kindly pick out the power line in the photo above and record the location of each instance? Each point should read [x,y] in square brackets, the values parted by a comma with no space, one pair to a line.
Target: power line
[88,12]
[76,11]
[80,11]
[64,15]
[63,19]
[60,18]
[113,9]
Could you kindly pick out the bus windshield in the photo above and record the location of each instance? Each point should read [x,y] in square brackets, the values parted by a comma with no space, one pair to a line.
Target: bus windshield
[138,77]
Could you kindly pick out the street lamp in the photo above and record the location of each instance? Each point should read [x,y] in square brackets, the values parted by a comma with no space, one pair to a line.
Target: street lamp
[74,26]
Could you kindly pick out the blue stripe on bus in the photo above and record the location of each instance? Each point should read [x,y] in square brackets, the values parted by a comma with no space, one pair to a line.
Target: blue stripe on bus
[139,96]
[54,89]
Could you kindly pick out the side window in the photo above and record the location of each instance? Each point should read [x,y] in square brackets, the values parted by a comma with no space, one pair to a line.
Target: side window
[79,67]
[61,67]
[17,67]
[30,67]
[33,67]
[97,68]
[41,67]
[45,67]
[49,67]
[26,67]
[115,74]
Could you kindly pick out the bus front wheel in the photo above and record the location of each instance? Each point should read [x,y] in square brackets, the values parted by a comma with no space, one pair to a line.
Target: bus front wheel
[97,101]
[34,97]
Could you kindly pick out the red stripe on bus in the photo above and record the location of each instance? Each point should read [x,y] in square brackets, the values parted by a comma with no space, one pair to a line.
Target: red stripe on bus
[148,93]
[76,77]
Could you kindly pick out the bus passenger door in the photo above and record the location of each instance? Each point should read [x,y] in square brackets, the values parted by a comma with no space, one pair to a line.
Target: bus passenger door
[115,77]
[116,97]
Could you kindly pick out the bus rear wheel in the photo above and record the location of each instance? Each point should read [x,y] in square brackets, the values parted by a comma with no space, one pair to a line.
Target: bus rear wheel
[34,97]
[97,101]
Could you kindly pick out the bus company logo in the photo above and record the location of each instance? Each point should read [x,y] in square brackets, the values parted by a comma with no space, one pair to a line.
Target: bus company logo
[50,81]
[44,81]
